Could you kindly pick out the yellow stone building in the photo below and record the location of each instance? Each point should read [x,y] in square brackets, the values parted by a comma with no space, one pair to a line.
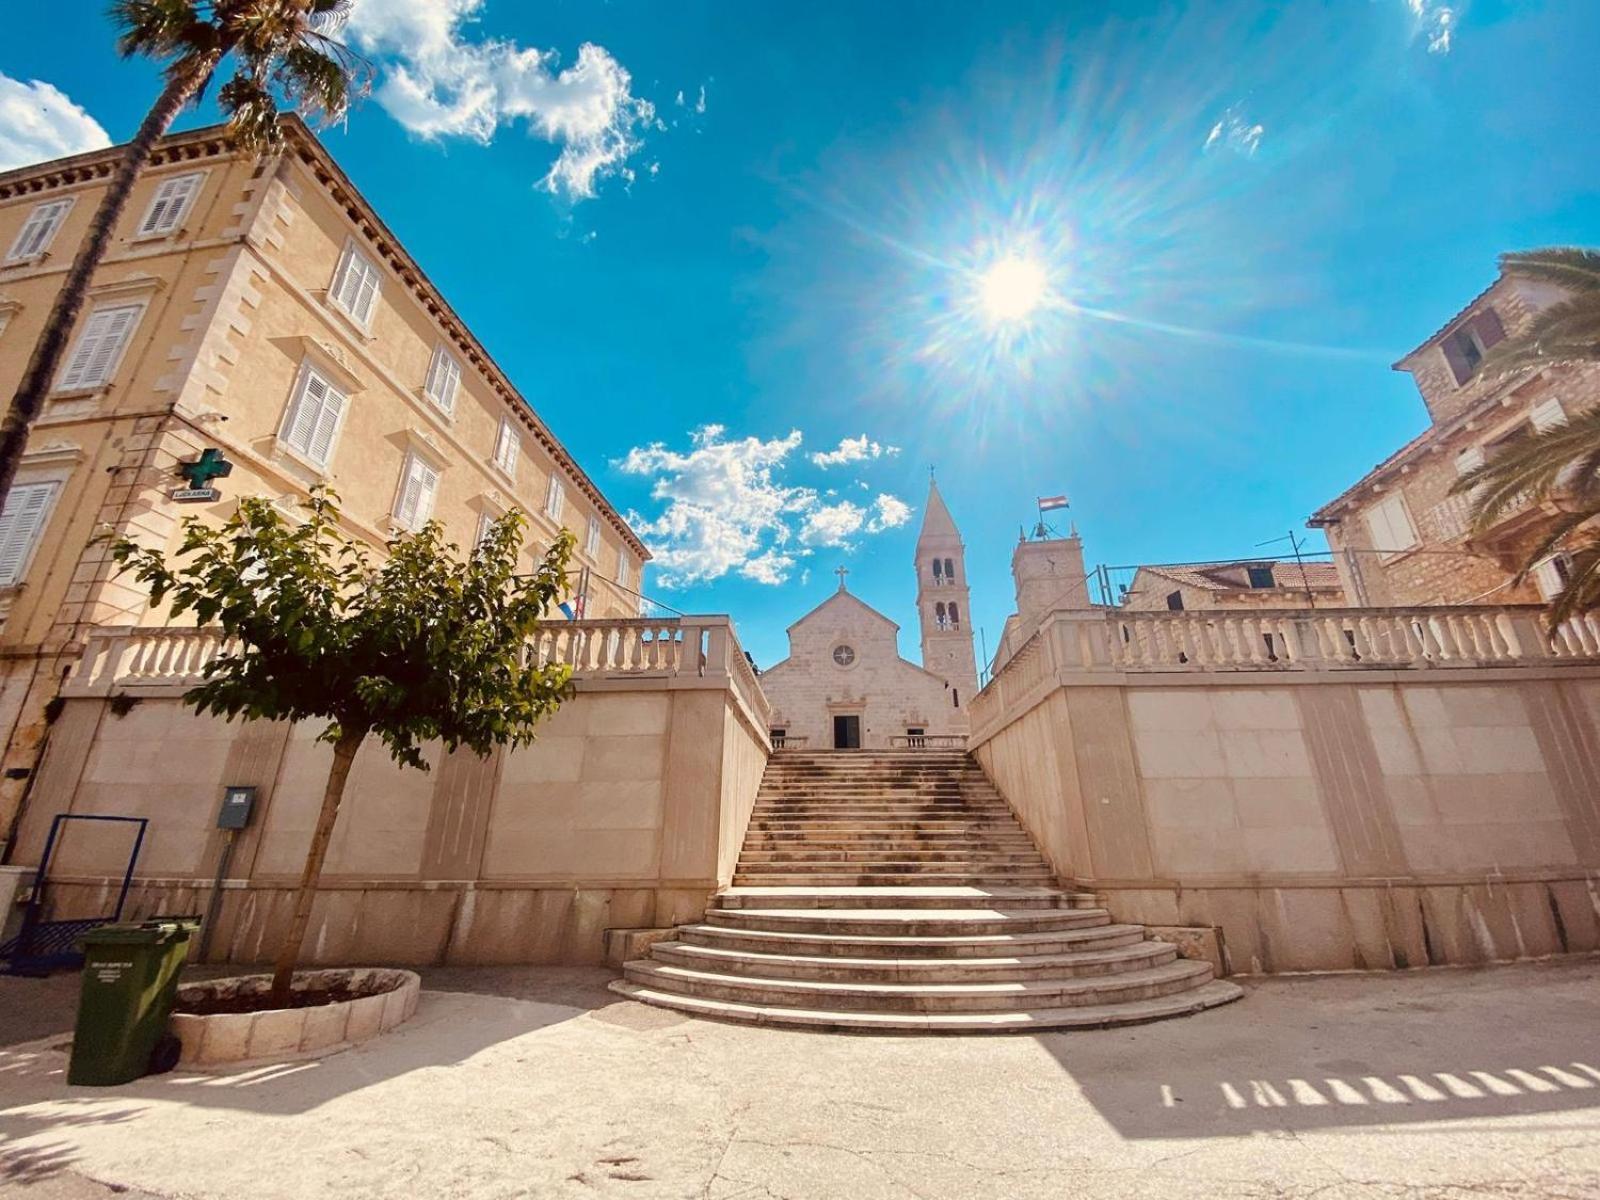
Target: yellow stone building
[260,308]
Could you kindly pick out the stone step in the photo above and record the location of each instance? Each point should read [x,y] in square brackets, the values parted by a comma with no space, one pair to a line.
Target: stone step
[918,896]
[899,852]
[908,922]
[1010,1021]
[956,946]
[868,804]
[927,839]
[933,824]
[1130,986]
[901,969]
[874,878]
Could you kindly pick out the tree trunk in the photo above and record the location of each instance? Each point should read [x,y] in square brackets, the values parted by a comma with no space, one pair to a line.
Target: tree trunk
[52,343]
[344,753]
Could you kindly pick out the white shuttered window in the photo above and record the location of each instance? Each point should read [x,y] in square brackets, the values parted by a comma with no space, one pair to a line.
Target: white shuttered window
[486,521]
[170,205]
[444,379]
[21,521]
[39,230]
[312,421]
[99,347]
[554,497]
[355,286]
[507,447]
[592,542]
[1547,414]
[419,484]
[624,569]
[1390,526]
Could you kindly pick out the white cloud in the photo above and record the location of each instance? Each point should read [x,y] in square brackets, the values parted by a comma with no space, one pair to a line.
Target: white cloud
[38,122]
[888,512]
[832,524]
[440,82]
[1235,132]
[1435,23]
[727,509]
[850,450]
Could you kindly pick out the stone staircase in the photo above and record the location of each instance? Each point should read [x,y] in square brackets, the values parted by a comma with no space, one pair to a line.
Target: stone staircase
[895,890]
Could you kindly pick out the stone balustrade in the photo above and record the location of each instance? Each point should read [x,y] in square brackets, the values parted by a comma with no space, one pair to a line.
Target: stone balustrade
[928,741]
[171,659]
[1081,645]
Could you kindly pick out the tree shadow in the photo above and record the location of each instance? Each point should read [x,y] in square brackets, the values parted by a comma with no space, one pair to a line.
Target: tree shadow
[1344,1052]
[489,1007]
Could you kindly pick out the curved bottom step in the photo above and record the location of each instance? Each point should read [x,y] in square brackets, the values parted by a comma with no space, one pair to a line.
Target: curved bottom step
[1135,1012]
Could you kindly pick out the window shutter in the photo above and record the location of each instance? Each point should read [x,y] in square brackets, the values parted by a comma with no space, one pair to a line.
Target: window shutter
[99,346]
[592,543]
[624,567]
[1547,414]
[418,486]
[1457,359]
[1489,328]
[327,426]
[1469,460]
[356,288]
[444,377]
[1390,526]
[313,419]
[39,229]
[20,522]
[367,291]
[506,447]
[485,522]
[553,498]
[421,484]
[170,203]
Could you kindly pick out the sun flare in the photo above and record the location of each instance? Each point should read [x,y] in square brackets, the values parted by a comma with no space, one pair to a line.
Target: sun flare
[1011,288]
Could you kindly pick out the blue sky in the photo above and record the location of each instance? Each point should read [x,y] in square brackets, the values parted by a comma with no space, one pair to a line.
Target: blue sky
[768,218]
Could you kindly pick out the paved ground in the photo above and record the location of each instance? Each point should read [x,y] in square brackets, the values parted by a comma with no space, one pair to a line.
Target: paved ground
[539,1083]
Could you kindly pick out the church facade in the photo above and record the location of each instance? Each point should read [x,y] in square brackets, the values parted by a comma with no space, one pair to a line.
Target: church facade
[844,685]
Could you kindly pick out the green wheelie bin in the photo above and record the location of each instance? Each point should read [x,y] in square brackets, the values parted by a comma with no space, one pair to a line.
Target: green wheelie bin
[130,981]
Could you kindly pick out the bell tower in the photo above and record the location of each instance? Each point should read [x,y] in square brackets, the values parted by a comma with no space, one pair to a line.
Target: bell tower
[943,604]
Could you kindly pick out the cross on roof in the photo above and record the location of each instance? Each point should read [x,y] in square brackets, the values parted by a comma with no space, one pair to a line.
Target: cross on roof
[841,572]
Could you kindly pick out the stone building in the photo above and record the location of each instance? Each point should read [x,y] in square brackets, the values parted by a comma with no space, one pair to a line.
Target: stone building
[1399,535]
[256,309]
[844,684]
[1238,586]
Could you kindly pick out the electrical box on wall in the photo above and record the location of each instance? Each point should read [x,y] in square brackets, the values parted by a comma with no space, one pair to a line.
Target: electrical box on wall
[237,805]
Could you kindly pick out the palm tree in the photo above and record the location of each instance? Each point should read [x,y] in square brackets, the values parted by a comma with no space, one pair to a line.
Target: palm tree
[1560,464]
[283,49]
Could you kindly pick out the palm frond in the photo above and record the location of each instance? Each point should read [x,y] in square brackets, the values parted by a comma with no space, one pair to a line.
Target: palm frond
[320,78]
[1572,267]
[159,28]
[252,112]
[1537,466]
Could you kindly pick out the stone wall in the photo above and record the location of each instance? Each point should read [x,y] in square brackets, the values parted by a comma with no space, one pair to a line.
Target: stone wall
[1330,817]
[626,813]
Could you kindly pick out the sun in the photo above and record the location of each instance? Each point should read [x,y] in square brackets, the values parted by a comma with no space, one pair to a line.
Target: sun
[1011,288]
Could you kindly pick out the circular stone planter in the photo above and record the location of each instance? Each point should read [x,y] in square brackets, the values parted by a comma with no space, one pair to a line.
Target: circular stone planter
[386,999]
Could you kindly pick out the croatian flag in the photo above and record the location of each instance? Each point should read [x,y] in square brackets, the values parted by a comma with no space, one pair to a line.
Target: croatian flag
[1048,502]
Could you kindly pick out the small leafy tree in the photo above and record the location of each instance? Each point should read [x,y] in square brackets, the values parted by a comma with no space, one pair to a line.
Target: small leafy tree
[428,645]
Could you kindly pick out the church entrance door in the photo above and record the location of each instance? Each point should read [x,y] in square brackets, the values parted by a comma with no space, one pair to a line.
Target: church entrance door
[847,733]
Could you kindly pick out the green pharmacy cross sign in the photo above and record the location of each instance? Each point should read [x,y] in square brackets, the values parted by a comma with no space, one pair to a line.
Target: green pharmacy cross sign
[198,475]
